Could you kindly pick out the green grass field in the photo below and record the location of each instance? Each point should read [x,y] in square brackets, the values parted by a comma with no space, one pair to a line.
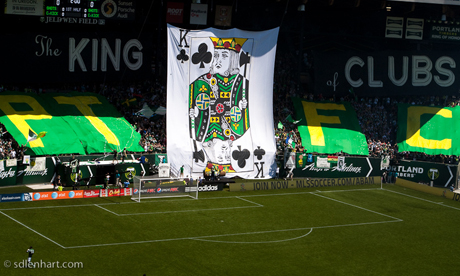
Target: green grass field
[361,230]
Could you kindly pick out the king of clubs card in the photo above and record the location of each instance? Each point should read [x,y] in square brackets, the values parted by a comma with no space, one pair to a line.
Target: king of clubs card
[219,108]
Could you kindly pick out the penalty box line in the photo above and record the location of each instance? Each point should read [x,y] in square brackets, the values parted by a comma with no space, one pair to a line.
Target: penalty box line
[206,238]
[217,236]
[223,197]
[64,247]
[255,205]
[203,238]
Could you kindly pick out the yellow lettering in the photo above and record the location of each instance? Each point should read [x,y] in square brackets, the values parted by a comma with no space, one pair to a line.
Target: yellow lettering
[413,137]
[82,104]
[314,120]
[18,118]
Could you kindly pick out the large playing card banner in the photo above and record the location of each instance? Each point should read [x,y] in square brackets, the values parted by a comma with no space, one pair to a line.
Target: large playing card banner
[220,103]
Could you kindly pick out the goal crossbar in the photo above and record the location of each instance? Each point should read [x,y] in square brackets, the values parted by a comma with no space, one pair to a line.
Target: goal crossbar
[151,187]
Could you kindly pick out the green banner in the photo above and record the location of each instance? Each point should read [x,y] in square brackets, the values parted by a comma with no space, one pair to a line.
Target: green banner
[65,123]
[428,129]
[350,167]
[433,174]
[34,173]
[329,127]
[7,174]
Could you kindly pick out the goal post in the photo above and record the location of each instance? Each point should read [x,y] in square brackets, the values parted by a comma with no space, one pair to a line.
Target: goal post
[145,187]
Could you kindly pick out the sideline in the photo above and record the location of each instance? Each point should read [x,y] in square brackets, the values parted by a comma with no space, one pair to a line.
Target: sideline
[241,197]
[36,232]
[426,200]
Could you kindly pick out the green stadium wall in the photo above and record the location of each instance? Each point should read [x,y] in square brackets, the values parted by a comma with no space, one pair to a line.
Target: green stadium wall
[19,175]
[435,174]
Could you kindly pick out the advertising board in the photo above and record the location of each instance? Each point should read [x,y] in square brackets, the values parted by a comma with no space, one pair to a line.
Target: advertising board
[12,197]
[57,195]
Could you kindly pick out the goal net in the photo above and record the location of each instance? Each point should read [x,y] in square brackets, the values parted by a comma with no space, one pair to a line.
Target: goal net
[149,187]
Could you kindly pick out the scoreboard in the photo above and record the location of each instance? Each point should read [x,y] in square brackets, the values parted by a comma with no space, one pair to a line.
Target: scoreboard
[91,9]
[73,8]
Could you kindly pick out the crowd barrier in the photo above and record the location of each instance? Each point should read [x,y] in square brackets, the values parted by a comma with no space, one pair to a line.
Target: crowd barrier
[443,192]
[433,174]
[74,194]
[44,169]
[280,184]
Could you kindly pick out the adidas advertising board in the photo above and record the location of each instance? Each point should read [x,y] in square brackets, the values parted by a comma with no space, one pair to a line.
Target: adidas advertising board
[208,188]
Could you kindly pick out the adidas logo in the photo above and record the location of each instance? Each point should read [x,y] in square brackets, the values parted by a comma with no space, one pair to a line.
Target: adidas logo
[207,188]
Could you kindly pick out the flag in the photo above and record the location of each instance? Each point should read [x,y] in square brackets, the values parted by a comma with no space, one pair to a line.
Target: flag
[238,99]
[429,129]
[332,158]
[32,136]
[148,111]
[352,92]
[291,120]
[26,160]
[70,130]
[280,125]
[160,110]
[129,102]
[330,127]
[321,162]
[341,163]
[385,162]
[290,141]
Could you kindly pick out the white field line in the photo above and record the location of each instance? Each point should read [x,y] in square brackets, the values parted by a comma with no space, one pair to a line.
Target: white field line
[233,234]
[314,192]
[252,202]
[396,219]
[47,207]
[36,232]
[426,200]
[214,236]
[260,242]
[144,202]
[106,210]
[187,211]
[152,201]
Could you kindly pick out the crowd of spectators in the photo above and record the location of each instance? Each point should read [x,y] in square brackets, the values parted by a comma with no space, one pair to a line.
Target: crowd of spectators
[130,99]
[377,116]
[9,148]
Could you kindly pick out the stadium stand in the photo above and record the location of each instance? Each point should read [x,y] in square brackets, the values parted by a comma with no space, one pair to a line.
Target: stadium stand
[294,76]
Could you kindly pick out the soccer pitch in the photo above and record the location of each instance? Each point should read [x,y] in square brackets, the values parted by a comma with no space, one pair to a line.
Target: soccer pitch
[327,231]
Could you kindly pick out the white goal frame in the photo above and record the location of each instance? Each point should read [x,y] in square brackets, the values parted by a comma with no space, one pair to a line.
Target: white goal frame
[148,187]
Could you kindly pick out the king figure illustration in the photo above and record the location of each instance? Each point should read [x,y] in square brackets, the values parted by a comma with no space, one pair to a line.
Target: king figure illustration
[218,106]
